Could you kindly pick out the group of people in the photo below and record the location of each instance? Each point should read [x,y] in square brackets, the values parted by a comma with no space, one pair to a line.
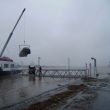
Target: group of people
[32,70]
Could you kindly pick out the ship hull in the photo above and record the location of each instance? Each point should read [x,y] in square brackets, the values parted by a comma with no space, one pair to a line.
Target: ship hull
[10,72]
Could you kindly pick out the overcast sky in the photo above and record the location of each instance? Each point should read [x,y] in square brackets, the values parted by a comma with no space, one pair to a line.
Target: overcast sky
[57,30]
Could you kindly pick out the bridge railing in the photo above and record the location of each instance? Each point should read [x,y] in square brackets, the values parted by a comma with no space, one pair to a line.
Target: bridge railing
[63,73]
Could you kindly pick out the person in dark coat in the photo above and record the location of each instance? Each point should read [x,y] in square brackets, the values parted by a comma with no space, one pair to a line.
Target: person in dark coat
[29,69]
[40,70]
[32,70]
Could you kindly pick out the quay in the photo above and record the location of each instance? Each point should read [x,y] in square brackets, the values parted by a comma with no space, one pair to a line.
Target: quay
[15,89]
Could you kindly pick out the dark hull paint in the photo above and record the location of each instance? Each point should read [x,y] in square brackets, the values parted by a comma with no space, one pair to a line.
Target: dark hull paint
[10,72]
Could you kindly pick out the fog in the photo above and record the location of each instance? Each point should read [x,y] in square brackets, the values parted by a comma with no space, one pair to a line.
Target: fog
[57,30]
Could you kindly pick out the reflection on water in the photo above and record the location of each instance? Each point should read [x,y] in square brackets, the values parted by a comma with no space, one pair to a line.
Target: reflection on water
[16,88]
[32,78]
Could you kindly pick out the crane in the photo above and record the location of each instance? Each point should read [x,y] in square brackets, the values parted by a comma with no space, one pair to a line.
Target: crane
[10,35]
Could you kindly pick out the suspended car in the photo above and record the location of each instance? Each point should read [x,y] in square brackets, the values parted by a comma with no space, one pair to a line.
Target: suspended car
[24,51]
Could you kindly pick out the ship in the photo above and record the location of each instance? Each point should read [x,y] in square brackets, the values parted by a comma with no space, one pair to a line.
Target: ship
[8,66]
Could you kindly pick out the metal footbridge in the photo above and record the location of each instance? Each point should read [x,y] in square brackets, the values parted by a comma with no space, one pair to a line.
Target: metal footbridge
[63,73]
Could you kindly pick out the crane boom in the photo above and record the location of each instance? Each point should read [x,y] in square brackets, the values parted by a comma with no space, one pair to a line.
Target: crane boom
[10,35]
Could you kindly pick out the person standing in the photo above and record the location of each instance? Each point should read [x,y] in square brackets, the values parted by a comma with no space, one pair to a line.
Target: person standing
[40,71]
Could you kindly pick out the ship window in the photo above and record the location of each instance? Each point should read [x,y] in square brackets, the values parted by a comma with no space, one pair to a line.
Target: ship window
[12,65]
[6,65]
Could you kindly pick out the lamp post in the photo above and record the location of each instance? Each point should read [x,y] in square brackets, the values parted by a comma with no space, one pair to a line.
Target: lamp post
[95,65]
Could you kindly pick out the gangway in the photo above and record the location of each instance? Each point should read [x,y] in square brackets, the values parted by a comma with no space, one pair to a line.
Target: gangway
[63,73]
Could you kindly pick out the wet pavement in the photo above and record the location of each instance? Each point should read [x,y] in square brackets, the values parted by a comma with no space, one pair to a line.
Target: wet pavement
[16,88]
[102,102]
[96,97]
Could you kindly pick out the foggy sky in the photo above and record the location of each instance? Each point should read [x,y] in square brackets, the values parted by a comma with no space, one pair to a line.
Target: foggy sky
[57,30]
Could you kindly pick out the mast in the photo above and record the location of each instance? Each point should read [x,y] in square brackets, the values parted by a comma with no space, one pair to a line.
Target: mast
[10,35]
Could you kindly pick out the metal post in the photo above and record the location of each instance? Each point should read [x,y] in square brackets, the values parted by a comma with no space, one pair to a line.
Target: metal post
[39,67]
[68,64]
[90,69]
[86,69]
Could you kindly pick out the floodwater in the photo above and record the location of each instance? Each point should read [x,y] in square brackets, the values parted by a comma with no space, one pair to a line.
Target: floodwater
[102,101]
[16,88]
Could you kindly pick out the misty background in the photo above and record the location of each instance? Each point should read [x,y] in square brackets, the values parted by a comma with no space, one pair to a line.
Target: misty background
[57,30]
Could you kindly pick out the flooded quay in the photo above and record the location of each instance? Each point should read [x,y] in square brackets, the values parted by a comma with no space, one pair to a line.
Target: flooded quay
[25,91]
[92,94]
[17,88]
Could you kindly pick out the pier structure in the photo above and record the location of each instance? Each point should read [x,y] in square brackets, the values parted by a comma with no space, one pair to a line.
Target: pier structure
[63,73]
